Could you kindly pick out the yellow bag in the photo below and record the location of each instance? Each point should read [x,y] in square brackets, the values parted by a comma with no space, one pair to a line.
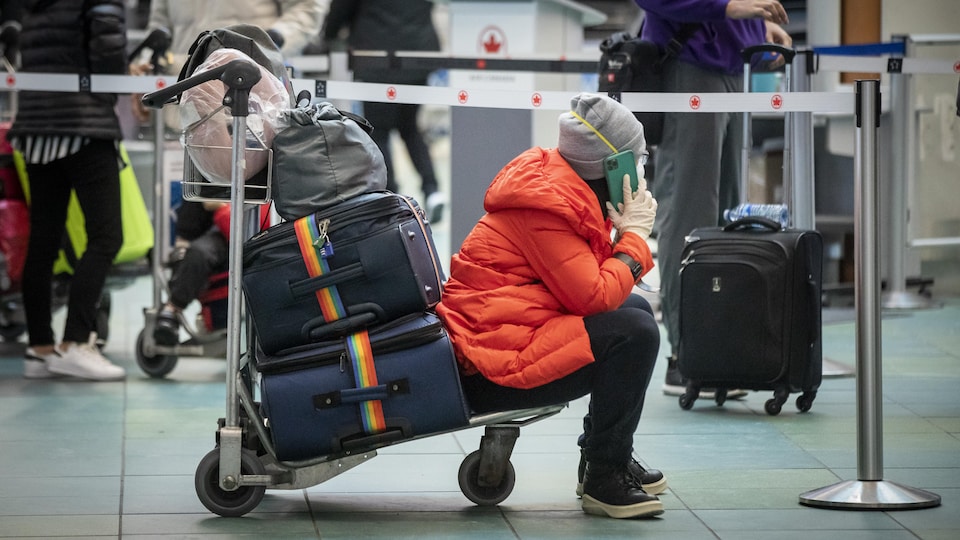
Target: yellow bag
[137,227]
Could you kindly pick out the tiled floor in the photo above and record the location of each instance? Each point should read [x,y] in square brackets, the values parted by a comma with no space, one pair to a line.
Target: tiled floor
[111,460]
[117,459]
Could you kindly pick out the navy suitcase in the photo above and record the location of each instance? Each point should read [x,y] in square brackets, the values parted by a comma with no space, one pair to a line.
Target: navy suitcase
[750,311]
[311,403]
[384,265]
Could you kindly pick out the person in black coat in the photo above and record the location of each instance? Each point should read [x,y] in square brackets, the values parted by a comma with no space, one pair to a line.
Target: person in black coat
[385,25]
[69,141]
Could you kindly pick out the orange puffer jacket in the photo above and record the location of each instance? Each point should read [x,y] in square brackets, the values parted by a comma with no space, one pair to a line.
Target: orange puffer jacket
[531,269]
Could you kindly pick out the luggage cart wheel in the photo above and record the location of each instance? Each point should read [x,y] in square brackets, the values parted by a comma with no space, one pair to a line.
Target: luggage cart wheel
[470,485]
[155,366]
[228,503]
[805,401]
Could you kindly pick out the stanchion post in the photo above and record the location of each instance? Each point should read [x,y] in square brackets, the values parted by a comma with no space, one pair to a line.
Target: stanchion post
[869,491]
[801,133]
[903,142]
[161,204]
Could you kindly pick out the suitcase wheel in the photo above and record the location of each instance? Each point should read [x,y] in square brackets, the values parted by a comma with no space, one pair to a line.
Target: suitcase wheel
[686,400]
[473,487]
[774,405]
[233,503]
[805,401]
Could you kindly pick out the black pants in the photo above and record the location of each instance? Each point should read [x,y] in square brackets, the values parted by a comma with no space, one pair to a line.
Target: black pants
[386,117]
[207,254]
[94,174]
[625,343]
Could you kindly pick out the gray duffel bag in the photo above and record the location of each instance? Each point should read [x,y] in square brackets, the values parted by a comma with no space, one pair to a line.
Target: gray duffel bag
[322,157]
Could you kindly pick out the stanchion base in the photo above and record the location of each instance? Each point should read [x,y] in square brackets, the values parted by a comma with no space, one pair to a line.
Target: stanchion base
[835,370]
[905,300]
[870,495]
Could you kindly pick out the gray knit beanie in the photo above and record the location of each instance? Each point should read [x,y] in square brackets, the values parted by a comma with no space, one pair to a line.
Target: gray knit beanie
[583,149]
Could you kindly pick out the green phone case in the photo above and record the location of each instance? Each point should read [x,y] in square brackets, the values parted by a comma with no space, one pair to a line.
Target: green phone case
[615,167]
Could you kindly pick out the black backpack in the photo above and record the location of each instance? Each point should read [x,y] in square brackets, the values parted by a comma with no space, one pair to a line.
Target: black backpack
[631,64]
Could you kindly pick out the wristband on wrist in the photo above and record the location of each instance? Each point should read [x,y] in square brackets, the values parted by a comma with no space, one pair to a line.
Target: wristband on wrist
[636,269]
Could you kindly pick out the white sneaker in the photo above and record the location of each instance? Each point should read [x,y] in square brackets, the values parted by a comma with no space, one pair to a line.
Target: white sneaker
[435,204]
[84,360]
[35,365]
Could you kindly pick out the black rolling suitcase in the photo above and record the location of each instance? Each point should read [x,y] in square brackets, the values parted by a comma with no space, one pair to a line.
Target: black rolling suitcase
[318,400]
[377,252]
[750,311]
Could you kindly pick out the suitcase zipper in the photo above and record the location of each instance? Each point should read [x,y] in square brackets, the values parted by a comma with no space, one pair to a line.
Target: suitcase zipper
[413,338]
[278,235]
[429,238]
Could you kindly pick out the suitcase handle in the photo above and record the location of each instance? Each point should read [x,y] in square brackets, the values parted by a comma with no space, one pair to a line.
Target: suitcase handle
[813,293]
[318,329]
[747,53]
[307,287]
[380,392]
[750,222]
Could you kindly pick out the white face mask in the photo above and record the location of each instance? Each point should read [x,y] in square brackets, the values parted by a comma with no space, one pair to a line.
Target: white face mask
[641,161]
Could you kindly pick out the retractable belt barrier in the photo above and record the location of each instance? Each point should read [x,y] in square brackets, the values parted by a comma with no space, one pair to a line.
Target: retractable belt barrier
[823,102]
[818,102]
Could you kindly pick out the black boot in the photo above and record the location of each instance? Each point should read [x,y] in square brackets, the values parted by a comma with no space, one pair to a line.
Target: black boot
[611,490]
[651,480]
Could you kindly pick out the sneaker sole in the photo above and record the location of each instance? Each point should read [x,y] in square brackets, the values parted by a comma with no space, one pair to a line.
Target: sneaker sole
[655,488]
[33,372]
[71,370]
[639,510]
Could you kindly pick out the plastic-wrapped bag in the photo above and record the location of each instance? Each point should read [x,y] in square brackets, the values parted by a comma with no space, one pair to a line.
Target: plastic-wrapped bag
[207,123]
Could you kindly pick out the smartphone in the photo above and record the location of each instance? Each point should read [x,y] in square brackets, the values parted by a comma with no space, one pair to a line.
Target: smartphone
[615,167]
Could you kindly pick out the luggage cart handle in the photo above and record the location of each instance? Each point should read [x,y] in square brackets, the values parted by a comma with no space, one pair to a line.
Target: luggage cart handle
[747,53]
[238,75]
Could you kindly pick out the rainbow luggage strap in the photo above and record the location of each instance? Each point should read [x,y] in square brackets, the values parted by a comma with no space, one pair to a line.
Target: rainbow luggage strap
[315,248]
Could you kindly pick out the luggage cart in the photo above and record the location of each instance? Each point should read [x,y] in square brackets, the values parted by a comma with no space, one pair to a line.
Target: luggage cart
[203,342]
[232,479]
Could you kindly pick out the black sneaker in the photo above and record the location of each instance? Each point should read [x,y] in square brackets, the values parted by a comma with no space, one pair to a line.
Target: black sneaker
[651,480]
[167,329]
[675,384]
[613,491]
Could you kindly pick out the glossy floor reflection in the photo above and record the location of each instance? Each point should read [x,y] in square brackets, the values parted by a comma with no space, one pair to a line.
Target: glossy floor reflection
[117,460]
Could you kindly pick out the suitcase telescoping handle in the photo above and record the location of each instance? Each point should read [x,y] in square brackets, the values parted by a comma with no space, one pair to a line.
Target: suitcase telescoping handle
[747,53]
[752,222]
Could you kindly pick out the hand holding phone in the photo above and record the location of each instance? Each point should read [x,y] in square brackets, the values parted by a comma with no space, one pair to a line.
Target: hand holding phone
[616,168]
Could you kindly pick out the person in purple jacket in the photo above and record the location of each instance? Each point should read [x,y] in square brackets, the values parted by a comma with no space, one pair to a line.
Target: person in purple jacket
[698,160]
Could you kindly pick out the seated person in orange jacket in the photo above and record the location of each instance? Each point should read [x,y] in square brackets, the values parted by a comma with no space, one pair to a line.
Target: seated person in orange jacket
[539,303]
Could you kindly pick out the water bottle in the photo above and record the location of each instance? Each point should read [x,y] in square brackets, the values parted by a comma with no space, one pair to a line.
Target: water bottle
[774,212]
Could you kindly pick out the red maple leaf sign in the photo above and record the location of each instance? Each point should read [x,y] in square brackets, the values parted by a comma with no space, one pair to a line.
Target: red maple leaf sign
[492,45]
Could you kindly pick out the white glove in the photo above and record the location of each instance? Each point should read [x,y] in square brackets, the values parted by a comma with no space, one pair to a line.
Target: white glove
[638,211]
